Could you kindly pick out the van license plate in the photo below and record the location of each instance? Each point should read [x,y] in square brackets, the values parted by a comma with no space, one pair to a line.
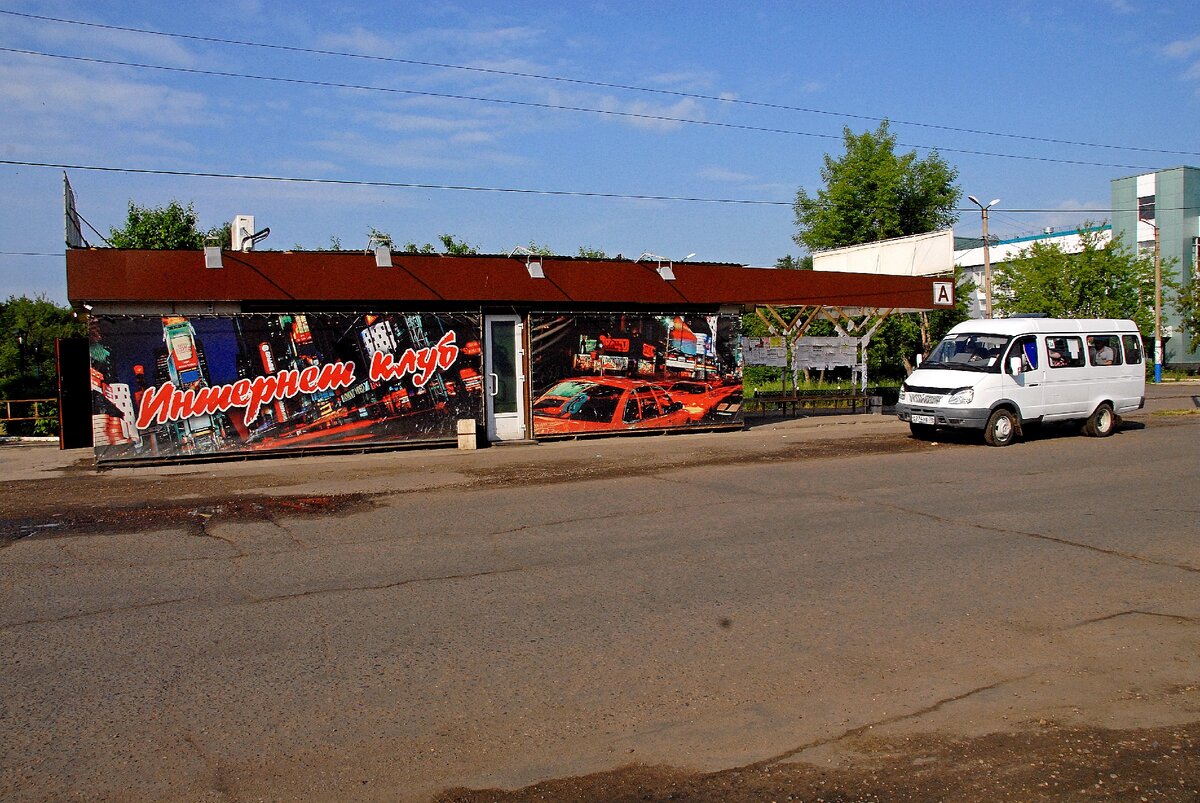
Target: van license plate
[923,419]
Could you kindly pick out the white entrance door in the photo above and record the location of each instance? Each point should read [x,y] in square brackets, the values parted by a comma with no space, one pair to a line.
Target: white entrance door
[505,374]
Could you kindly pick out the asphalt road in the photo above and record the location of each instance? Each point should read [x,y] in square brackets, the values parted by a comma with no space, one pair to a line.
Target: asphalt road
[823,597]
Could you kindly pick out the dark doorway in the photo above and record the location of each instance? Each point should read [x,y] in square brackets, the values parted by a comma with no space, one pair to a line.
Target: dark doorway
[74,394]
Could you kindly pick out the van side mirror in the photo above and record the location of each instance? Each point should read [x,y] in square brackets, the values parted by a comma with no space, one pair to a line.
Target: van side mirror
[1014,365]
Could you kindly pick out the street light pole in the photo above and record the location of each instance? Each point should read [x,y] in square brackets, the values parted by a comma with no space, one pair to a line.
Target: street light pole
[1158,349]
[987,255]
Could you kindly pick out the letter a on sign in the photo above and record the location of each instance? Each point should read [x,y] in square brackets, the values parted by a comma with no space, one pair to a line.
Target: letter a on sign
[943,294]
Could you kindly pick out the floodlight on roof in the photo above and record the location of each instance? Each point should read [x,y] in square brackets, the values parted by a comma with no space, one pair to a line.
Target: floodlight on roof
[383,256]
[533,262]
[664,265]
[212,254]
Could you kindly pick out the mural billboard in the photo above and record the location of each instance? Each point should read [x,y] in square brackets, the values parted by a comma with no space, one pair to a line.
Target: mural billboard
[179,386]
[615,372]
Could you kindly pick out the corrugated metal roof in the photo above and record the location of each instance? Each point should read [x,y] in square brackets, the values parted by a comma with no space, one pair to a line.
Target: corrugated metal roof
[320,276]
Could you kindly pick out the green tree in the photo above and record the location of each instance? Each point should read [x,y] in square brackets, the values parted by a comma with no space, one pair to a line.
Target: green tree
[1103,280]
[376,237]
[29,328]
[170,227]
[588,252]
[790,262]
[872,193]
[450,245]
[901,337]
[1187,304]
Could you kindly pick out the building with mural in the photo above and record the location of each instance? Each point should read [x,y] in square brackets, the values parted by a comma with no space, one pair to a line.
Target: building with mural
[264,352]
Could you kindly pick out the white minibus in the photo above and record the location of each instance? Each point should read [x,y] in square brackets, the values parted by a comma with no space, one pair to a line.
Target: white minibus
[1002,374]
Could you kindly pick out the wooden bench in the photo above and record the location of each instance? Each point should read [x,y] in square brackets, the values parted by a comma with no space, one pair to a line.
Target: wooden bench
[796,401]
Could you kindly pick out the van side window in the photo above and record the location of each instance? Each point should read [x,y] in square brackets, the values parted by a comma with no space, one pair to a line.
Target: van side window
[1133,349]
[1026,348]
[1065,351]
[1104,350]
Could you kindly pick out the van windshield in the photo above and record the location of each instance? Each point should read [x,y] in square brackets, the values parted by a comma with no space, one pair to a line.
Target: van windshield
[969,352]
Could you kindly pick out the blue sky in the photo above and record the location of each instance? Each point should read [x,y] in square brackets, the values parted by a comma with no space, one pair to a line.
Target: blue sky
[1122,73]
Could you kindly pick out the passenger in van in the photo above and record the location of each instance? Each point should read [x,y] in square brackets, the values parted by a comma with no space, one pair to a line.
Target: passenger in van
[1103,353]
[1056,359]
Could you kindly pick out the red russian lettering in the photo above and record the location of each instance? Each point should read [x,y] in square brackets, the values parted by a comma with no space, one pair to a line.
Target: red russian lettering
[287,384]
[427,361]
[447,350]
[240,393]
[336,375]
[154,405]
[308,379]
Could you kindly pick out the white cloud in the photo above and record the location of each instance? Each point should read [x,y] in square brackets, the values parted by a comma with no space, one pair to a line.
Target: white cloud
[1182,48]
[37,35]
[408,123]
[358,40]
[1072,214]
[647,113]
[684,80]
[411,153]
[51,91]
[724,174]
[473,137]
[496,37]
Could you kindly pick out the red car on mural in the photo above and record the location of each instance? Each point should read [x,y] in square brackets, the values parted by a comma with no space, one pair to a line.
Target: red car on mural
[705,400]
[605,404]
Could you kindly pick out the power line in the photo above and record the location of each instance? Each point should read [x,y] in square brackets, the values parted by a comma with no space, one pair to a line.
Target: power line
[536,105]
[469,188]
[395,184]
[27,254]
[598,84]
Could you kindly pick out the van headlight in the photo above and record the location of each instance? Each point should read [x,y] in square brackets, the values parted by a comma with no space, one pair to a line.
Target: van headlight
[962,396]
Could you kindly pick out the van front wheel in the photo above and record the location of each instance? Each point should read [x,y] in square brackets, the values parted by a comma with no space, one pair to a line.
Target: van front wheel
[1001,429]
[1101,423]
[922,432]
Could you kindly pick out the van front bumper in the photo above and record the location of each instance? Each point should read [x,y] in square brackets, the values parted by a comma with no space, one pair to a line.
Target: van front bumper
[943,416]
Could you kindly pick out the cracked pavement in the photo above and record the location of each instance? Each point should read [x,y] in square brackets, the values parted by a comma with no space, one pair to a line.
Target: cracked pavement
[827,609]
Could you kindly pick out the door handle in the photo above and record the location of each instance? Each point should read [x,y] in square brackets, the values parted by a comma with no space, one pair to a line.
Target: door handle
[495,382]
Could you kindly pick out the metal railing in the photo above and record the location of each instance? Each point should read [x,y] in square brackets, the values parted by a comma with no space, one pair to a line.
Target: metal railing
[38,408]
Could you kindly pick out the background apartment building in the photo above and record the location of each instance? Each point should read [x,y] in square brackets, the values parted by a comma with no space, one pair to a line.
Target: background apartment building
[1170,200]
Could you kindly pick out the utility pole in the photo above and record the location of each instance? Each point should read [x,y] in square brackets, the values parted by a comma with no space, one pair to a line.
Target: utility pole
[1158,347]
[987,256]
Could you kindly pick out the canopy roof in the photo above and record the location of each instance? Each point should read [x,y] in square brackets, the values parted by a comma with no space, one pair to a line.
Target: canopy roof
[310,278]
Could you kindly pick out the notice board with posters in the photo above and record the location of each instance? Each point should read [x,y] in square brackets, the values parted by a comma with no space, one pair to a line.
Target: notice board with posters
[822,353]
[615,372]
[176,386]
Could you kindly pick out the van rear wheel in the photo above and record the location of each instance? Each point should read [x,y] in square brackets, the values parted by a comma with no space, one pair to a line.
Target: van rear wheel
[1101,423]
[1001,429]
